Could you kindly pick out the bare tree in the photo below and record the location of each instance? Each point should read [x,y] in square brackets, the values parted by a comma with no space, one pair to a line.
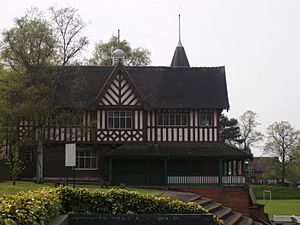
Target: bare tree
[68,27]
[249,134]
[282,140]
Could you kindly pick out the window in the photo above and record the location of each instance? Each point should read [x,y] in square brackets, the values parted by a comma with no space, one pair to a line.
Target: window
[27,156]
[67,119]
[206,119]
[86,160]
[171,119]
[119,119]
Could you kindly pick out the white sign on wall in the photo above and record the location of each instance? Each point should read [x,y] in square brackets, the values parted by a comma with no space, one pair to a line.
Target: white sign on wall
[70,155]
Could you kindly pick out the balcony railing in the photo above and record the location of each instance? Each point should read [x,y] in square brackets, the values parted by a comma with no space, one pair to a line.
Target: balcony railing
[233,180]
[206,180]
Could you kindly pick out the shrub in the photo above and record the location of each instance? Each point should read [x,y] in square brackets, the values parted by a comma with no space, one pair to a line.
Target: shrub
[120,201]
[38,207]
[33,207]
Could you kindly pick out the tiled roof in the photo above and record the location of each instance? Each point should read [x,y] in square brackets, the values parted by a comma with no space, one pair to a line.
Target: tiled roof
[215,149]
[161,87]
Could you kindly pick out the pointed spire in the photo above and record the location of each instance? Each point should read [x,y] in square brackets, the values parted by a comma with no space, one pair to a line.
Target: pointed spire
[118,38]
[179,31]
[179,58]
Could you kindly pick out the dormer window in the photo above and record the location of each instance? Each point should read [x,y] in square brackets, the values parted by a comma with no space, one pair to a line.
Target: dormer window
[119,119]
[172,119]
[206,119]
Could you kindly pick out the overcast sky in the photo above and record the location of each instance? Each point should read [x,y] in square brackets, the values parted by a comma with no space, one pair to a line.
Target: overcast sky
[258,41]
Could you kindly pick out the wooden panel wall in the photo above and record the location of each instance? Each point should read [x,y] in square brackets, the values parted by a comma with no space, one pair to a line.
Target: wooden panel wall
[145,129]
[193,132]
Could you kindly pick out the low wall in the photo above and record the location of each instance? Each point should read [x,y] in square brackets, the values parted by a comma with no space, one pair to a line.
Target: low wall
[236,198]
[138,219]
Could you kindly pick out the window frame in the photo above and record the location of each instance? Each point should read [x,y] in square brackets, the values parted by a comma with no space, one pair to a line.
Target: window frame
[120,119]
[67,119]
[167,117]
[30,156]
[85,158]
[210,120]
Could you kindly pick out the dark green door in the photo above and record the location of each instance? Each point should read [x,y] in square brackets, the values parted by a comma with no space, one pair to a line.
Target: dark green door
[129,172]
[138,172]
[156,172]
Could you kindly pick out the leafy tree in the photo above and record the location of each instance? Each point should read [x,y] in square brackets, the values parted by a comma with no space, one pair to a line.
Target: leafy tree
[35,98]
[34,91]
[282,140]
[229,130]
[68,26]
[9,122]
[293,168]
[14,163]
[102,54]
[249,134]
[30,42]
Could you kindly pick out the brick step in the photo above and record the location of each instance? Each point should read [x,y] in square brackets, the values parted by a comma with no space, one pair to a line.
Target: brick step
[194,198]
[232,218]
[203,201]
[222,211]
[256,223]
[245,221]
[212,205]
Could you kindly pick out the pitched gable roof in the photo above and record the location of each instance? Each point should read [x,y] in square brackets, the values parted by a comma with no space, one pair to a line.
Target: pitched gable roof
[162,87]
[119,90]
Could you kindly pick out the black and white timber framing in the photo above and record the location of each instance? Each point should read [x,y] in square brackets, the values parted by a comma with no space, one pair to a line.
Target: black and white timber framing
[122,92]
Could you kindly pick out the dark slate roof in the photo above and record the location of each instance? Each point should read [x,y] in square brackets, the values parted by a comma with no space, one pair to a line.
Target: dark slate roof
[216,149]
[161,87]
[179,58]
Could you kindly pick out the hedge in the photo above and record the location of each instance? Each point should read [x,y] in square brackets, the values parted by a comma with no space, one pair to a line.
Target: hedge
[38,207]
[120,201]
[33,207]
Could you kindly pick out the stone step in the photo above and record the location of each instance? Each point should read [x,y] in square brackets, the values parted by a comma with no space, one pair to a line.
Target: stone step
[203,201]
[222,211]
[245,221]
[232,218]
[212,205]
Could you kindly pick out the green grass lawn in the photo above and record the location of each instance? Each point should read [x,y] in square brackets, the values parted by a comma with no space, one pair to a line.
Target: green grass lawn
[7,188]
[278,192]
[285,200]
[281,207]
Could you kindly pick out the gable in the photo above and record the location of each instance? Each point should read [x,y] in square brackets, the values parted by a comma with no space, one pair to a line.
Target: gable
[120,93]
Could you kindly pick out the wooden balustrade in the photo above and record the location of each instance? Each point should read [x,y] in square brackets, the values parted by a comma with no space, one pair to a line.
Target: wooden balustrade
[205,180]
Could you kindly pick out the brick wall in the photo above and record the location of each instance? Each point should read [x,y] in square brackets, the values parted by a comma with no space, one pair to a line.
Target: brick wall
[236,198]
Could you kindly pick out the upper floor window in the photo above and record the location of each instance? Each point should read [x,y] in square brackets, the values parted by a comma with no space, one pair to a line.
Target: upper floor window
[67,119]
[174,119]
[119,119]
[206,119]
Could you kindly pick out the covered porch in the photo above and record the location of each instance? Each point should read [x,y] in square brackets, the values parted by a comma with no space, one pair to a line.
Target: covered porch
[178,164]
